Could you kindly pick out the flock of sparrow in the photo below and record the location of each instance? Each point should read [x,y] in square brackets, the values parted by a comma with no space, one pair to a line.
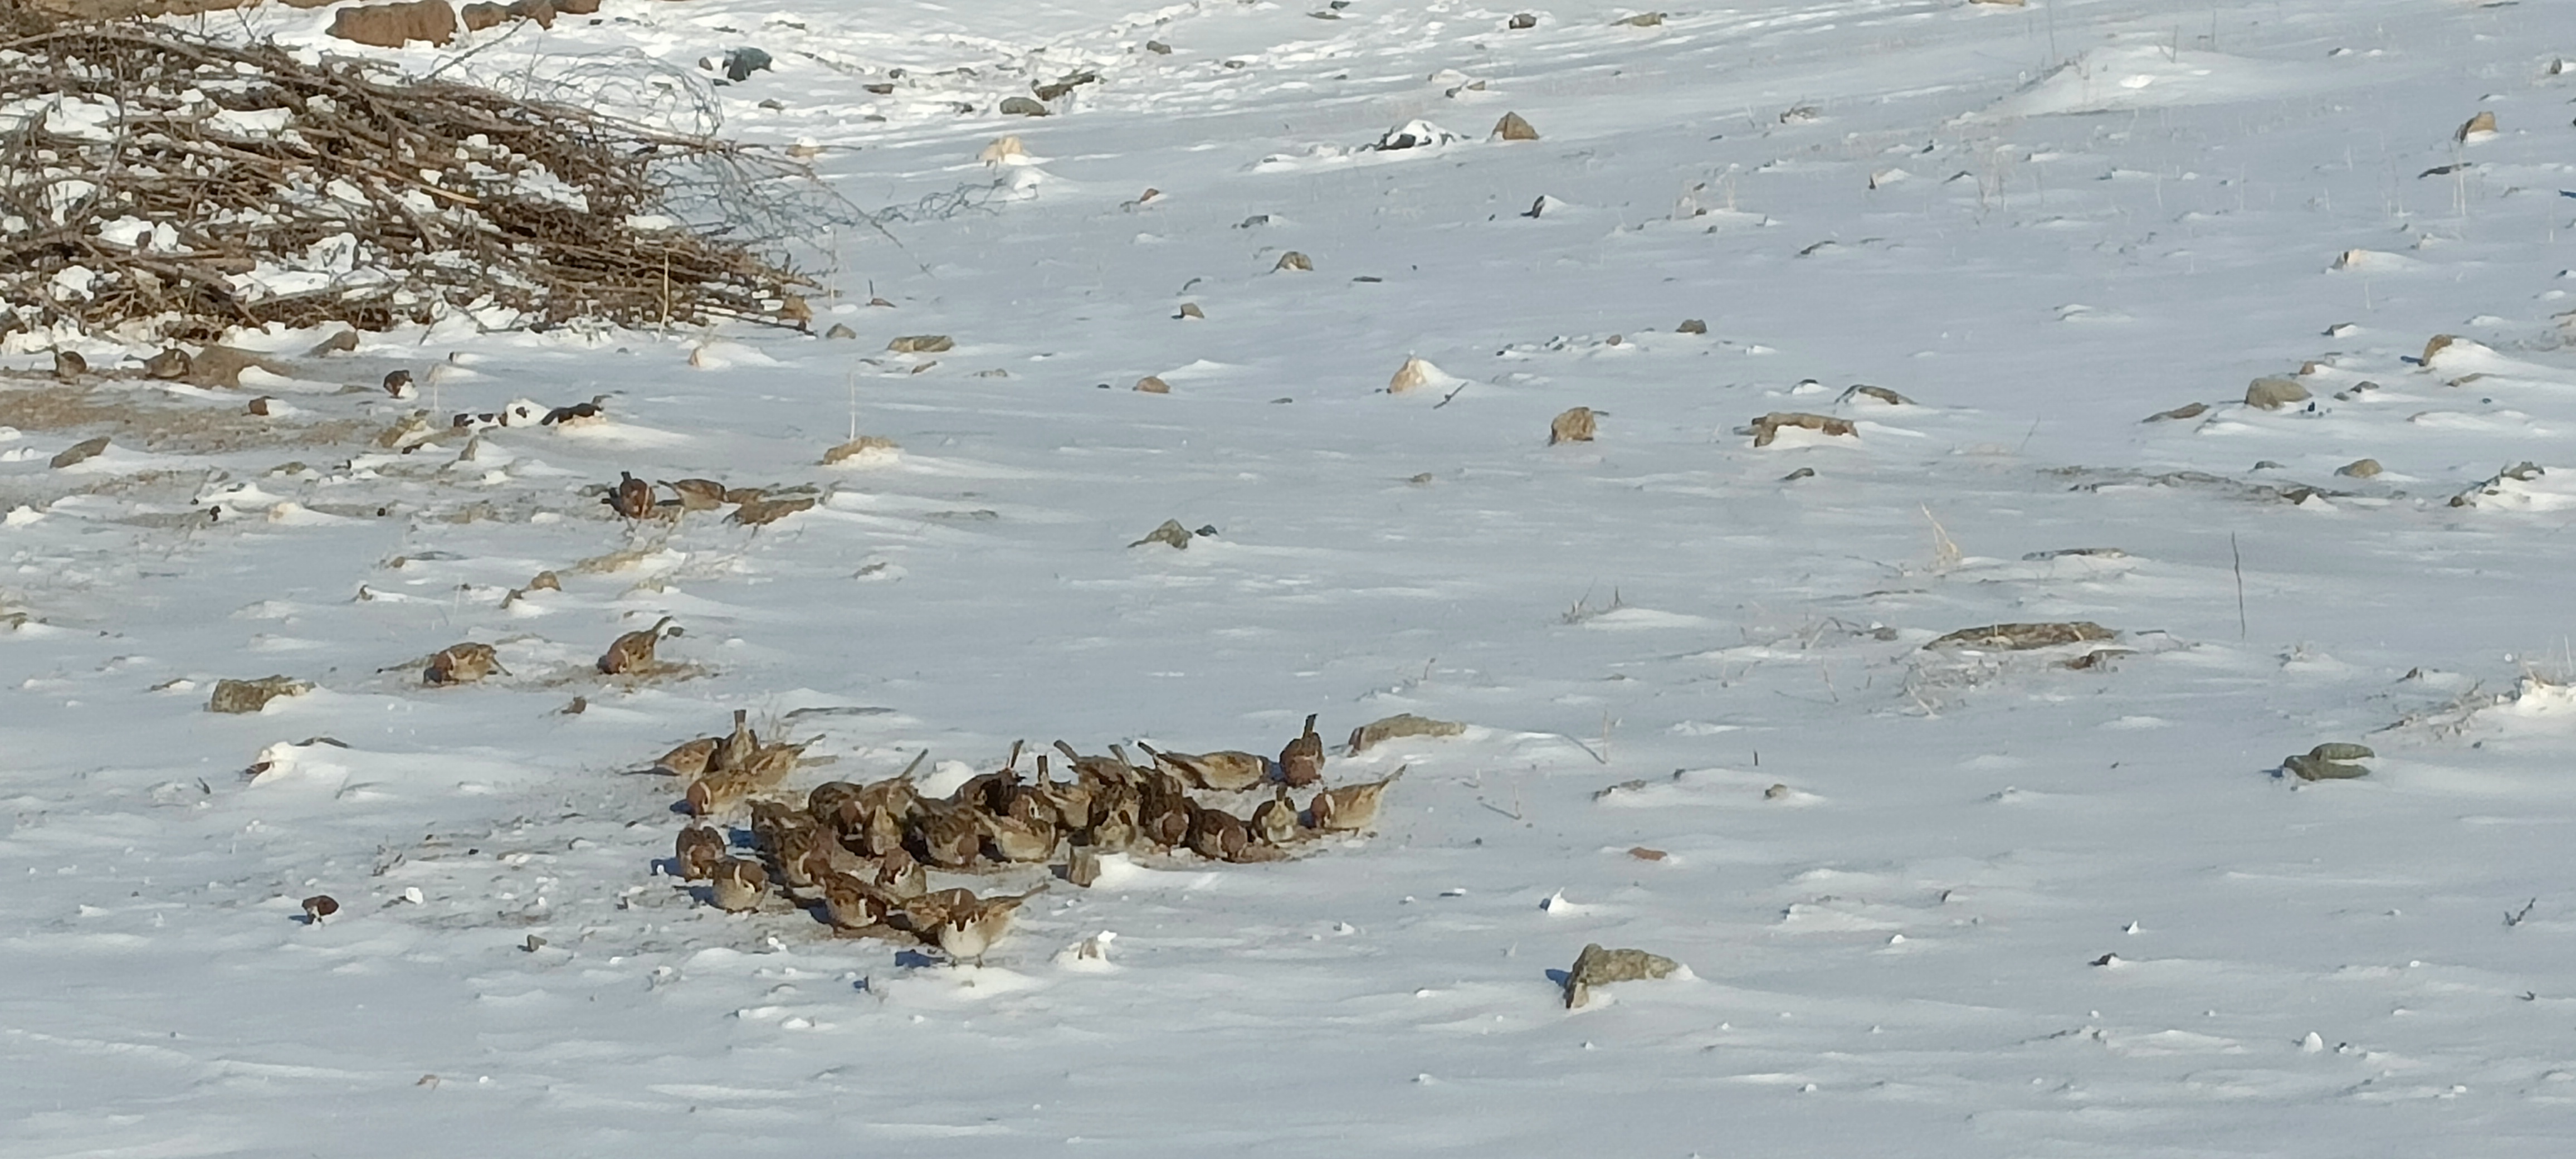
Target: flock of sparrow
[860,854]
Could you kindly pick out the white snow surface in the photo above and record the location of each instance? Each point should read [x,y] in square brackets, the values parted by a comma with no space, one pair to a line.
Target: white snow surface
[2112,208]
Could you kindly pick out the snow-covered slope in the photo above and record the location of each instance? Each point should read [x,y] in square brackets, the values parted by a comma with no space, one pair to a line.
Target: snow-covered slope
[1931,900]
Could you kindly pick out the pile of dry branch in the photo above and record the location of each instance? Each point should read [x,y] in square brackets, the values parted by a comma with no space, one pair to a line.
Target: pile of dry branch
[158,183]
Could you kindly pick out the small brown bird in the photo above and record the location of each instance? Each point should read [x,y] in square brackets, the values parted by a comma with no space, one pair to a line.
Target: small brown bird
[1018,839]
[1114,812]
[699,850]
[738,748]
[463,664]
[901,876]
[697,494]
[689,760]
[1302,762]
[633,652]
[716,794]
[1224,772]
[1166,821]
[880,833]
[1218,835]
[398,384]
[803,853]
[950,838]
[1095,769]
[69,365]
[852,904]
[169,364]
[1275,820]
[632,497]
[969,928]
[1070,801]
[739,884]
[838,806]
[770,819]
[1350,807]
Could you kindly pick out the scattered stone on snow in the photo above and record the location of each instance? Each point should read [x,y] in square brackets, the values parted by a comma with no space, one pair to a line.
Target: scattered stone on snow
[2061,552]
[81,451]
[1171,532]
[2332,761]
[1513,128]
[2022,637]
[1645,853]
[2274,393]
[1158,48]
[1640,20]
[1800,473]
[2483,124]
[2522,472]
[1768,427]
[1191,310]
[1414,374]
[1414,134]
[239,696]
[1596,966]
[921,344]
[840,330]
[1576,425]
[2189,410]
[2359,468]
[1153,384]
[1022,107]
[1397,727]
[1691,326]
[1292,260]
[1521,21]
[1882,394]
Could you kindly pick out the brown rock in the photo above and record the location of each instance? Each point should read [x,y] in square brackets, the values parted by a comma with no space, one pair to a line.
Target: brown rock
[239,696]
[1153,384]
[1292,260]
[921,344]
[1574,426]
[2274,393]
[1767,428]
[77,452]
[395,25]
[2189,410]
[1513,128]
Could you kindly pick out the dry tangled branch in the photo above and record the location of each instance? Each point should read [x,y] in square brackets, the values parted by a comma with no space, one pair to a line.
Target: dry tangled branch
[156,180]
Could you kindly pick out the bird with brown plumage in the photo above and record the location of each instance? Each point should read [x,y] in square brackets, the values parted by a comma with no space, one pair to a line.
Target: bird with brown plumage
[633,652]
[1349,808]
[698,851]
[631,497]
[1302,762]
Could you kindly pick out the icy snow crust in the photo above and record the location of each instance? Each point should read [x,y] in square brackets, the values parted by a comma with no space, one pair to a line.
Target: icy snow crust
[2039,224]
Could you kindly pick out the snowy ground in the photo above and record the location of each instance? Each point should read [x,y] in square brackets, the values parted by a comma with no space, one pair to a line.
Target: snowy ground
[2039,224]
